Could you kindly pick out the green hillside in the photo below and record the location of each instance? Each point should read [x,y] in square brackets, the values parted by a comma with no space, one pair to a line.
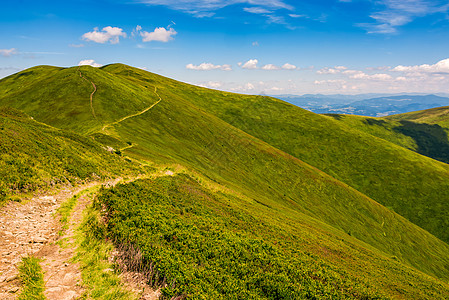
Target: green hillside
[216,245]
[389,174]
[438,115]
[35,156]
[427,139]
[234,146]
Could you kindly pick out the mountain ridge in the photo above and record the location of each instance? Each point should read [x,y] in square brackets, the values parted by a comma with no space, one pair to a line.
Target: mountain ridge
[186,128]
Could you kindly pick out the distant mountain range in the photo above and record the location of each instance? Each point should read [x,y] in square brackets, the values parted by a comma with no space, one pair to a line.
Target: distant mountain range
[374,105]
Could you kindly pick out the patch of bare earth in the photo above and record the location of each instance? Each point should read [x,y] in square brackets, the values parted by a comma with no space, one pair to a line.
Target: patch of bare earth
[128,262]
[31,229]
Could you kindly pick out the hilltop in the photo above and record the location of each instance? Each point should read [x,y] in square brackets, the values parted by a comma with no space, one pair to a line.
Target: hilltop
[260,180]
[438,116]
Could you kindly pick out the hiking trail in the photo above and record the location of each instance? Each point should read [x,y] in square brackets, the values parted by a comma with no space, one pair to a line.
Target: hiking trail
[33,228]
[136,114]
[91,95]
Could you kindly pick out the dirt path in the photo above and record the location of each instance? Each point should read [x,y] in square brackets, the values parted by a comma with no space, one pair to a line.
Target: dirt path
[32,229]
[91,95]
[136,114]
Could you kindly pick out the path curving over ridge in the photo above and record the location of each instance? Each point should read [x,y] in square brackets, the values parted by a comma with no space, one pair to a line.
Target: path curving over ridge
[136,114]
[91,95]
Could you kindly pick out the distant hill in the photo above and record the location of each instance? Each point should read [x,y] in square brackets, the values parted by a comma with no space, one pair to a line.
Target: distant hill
[366,104]
[436,116]
[272,201]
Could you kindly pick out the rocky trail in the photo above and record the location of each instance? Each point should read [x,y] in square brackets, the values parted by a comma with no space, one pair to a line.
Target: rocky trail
[29,228]
[33,228]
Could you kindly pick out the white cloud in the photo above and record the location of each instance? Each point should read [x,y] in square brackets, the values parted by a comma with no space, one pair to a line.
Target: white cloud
[288,66]
[257,10]
[8,52]
[351,72]
[212,84]
[330,81]
[249,86]
[270,67]
[334,70]
[136,31]
[207,8]
[159,34]
[89,62]
[440,67]
[250,64]
[396,13]
[107,34]
[208,67]
[255,44]
[379,76]
[76,45]
[298,16]
[327,70]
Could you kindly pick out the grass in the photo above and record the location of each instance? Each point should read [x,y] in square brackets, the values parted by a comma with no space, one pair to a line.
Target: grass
[99,279]
[30,274]
[302,188]
[35,156]
[196,242]
[64,211]
[438,115]
[430,140]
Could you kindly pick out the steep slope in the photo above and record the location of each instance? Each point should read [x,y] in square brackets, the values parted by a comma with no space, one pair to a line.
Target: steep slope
[179,128]
[213,244]
[438,116]
[427,139]
[414,186]
[36,156]
[66,93]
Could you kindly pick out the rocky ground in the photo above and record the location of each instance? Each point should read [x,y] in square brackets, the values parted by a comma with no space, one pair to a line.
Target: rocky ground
[33,228]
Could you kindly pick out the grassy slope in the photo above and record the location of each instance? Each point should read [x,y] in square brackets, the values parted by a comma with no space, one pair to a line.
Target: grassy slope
[439,116]
[226,247]
[176,131]
[43,89]
[427,139]
[35,156]
[412,185]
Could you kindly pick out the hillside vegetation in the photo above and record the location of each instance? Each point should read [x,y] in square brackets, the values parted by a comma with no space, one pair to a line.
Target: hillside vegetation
[255,169]
[195,242]
[439,116]
[391,175]
[424,138]
[35,156]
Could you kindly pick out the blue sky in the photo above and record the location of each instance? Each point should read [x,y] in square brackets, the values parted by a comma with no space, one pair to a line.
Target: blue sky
[248,46]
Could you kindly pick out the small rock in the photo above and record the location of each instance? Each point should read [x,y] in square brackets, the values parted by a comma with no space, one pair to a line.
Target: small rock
[56,289]
[11,278]
[14,290]
[108,270]
[70,295]
[38,240]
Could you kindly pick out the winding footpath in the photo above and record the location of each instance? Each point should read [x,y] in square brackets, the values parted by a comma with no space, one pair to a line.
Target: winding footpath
[136,114]
[31,228]
[91,95]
